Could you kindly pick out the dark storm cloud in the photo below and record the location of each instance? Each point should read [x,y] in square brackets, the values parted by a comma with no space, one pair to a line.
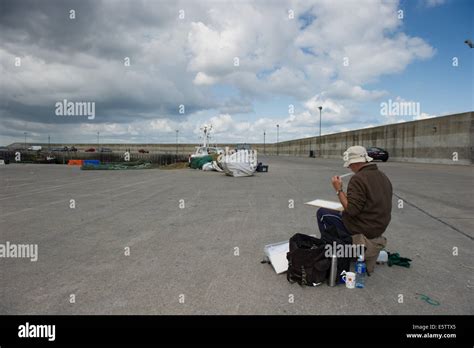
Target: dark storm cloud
[82,59]
[99,27]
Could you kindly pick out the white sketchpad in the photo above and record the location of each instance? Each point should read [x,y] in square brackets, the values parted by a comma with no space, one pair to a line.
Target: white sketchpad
[276,254]
[326,204]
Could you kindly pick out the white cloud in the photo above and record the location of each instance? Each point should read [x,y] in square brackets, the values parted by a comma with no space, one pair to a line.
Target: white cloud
[162,125]
[221,123]
[271,57]
[333,112]
[203,79]
[423,116]
[342,90]
[176,62]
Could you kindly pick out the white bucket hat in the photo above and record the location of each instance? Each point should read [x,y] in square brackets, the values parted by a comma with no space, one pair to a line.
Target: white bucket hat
[356,154]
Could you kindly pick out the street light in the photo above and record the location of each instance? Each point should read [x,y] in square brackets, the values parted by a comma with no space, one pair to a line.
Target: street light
[49,143]
[278,136]
[320,108]
[98,134]
[177,131]
[264,151]
[25,139]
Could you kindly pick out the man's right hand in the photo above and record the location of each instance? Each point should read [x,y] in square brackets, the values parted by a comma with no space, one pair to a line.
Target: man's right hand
[336,183]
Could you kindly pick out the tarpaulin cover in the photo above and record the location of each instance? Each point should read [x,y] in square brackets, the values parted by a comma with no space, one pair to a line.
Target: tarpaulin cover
[217,166]
[241,163]
[208,167]
[198,162]
[91,162]
[75,162]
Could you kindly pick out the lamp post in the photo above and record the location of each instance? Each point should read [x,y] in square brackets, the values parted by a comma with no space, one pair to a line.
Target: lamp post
[25,139]
[98,134]
[49,143]
[278,137]
[264,151]
[177,132]
[320,108]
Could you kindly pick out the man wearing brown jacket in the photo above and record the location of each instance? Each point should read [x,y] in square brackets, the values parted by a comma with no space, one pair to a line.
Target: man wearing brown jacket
[367,205]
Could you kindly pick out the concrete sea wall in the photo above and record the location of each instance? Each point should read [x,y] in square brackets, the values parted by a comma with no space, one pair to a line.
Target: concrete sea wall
[434,140]
[446,139]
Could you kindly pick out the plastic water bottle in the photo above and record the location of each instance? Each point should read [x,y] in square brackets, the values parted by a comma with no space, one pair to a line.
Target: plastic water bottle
[360,270]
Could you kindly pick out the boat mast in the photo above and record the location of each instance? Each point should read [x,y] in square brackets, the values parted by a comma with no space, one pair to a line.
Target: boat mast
[206,129]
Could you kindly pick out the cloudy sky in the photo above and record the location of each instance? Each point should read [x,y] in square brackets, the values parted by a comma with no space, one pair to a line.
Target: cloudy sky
[242,66]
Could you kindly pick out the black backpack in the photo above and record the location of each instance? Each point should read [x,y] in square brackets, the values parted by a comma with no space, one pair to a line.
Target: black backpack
[307,264]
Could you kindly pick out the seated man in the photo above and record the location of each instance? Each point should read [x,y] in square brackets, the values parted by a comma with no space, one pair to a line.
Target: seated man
[367,205]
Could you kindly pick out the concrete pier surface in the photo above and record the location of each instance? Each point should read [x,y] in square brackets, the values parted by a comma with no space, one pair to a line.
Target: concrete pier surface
[196,240]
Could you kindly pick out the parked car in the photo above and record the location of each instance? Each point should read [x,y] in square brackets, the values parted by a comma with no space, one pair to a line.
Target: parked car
[377,153]
[91,149]
[35,148]
[57,149]
[105,149]
[4,155]
[73,149]
[5,159]
[143,151]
